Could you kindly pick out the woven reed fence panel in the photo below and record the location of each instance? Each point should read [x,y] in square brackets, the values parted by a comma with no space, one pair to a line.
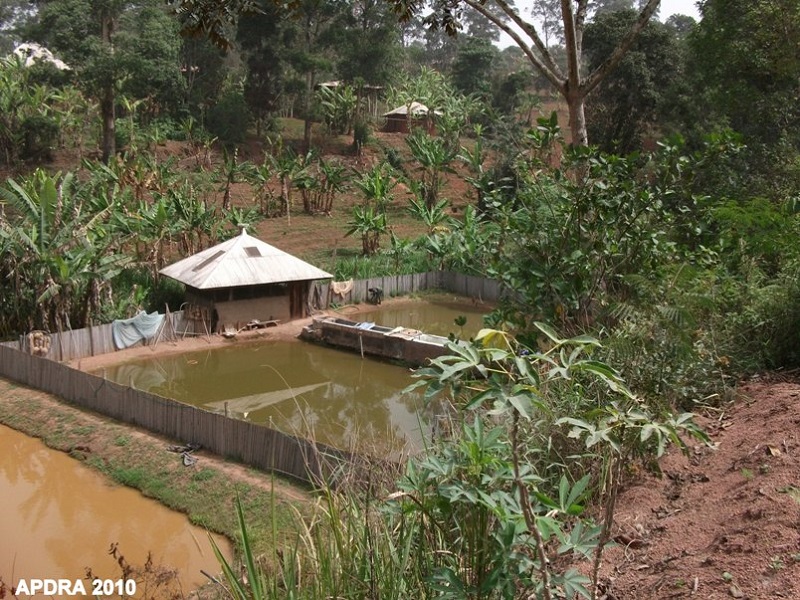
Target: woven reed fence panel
[479,288]
[251,444]
[91,341]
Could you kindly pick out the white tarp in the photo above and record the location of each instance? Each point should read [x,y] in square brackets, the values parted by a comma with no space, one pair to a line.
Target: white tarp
[127,332]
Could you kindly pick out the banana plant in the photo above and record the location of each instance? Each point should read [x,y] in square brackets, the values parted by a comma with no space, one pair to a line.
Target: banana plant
[370,224]
[434,156]
[376,185]
[58,252]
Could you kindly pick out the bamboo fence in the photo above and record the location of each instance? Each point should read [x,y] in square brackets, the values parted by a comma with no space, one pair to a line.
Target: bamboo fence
[254,445]
[477,288]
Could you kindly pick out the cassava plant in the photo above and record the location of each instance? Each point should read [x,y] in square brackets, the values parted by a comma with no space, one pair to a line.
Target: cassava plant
[511,514]
[480,514]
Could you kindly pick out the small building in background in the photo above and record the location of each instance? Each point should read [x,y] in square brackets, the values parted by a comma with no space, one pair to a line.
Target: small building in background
[409,116]
[244,281]
[32,54]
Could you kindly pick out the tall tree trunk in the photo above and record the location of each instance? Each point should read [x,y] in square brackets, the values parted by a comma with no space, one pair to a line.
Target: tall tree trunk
[308,122]
[577,119]
[109,144]
[107,102]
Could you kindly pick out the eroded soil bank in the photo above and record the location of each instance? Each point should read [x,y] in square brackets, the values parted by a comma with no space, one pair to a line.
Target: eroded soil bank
[723,522]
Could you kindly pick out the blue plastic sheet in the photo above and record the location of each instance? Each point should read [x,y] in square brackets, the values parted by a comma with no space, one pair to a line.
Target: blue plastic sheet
[127,332]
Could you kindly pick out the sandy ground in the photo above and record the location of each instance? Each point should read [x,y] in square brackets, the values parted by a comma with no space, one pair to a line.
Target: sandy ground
[285,331]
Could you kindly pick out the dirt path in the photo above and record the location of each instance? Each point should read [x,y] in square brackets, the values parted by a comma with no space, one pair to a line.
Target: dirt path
[725,522]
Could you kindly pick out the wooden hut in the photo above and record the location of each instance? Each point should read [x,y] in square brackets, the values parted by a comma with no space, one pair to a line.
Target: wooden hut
[244,281]
[405,118]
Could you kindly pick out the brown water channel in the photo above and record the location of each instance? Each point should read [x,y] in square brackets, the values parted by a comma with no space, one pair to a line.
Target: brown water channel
[300,388]
[59,516]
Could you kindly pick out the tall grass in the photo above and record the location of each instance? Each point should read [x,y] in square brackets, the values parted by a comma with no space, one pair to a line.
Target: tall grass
[348,546]
[384,263]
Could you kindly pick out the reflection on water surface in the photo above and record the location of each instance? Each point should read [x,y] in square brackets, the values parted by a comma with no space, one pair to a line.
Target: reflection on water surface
[293,386]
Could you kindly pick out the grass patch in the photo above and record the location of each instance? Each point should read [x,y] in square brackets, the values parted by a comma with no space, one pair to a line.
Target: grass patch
[134,478]
[203,475]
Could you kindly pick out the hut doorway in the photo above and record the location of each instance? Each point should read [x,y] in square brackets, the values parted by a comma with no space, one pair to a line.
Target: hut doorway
[297,298]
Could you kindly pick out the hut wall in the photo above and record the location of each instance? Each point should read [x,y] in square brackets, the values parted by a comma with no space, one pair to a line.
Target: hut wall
[401,124]
[396,124]
[240,312]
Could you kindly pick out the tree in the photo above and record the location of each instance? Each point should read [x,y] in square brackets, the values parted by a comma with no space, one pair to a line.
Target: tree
[125,42]
[310,55]
[368,43]
[745,56]
[628,104]
[472,68]
[202,64]
[13,14]
[574,85]
[262,40]
[150,52]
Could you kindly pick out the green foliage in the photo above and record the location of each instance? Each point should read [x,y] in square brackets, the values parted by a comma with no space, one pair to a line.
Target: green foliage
[473,66]
[39,137]
[339,106]
[58,252]
[369,223]
[745,69]
[229,119]
[482,513]
[361,135]
[629,103]
[433,155]
[23,103]
[434,218]
[403,257]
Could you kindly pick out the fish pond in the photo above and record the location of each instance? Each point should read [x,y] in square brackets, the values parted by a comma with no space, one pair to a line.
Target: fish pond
[335,396]
[60,517]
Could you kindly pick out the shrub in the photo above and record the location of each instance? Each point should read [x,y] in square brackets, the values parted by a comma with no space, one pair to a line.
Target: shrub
[229,118]
[361,135]
[39,136]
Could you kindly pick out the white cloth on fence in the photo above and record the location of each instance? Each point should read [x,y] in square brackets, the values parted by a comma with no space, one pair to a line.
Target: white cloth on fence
[340,288]
[127,332]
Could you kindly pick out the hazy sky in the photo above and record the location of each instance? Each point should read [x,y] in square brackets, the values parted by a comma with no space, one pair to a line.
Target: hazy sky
[681,7]
[668,7]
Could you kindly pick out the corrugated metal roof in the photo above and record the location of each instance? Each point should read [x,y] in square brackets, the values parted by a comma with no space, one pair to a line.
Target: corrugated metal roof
[242,260]
[417,109]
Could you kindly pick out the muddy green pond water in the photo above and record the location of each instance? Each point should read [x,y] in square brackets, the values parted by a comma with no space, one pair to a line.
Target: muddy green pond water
[300,388]
[437,318]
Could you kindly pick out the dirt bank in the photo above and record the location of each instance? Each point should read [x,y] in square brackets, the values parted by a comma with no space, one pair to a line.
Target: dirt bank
[724,522]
